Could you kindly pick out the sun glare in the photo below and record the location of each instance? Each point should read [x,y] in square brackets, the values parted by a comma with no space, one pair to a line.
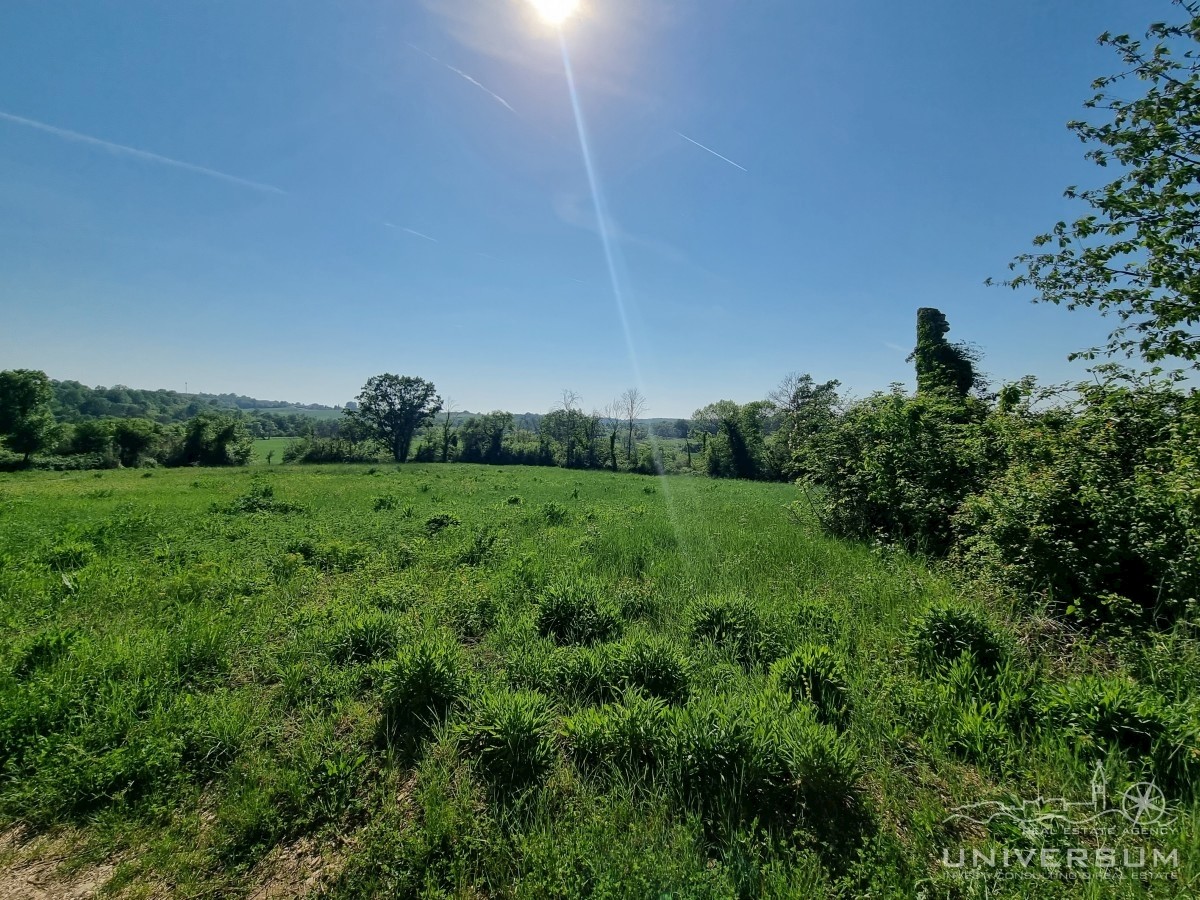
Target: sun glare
[555,12]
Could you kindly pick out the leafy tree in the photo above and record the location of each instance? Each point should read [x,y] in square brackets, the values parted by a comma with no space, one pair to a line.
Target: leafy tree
[26,422]
[807,411]
[481,438]
[1136,253]
[734,446]
[133,438]
[214,439]
[92,436]
[393,407]
[941,366]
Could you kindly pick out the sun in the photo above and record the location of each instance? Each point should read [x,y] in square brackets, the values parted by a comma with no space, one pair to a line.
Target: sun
[555,12]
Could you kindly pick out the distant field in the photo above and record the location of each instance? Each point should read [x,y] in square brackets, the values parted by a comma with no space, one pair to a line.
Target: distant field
[266,445]
[314,413]
[462,681]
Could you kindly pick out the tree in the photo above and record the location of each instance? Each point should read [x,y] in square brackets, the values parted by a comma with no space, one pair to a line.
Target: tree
[447,430]
[808,411]
[214,439]
[393,407]
[132,438]
[612,416]
[942,367]
[633,405]
[734,446]
[26,422]
[1137,252]
[481,438]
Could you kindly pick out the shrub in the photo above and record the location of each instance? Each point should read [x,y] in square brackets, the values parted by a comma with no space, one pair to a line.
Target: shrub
[654,666]
[733,624]
[896,468]
[1107,712]
[330,556]
[367,635]
[944,633]
[437,523]
[421,685]
[1098,512]
[510,737]
[259,499]
[386,502]
[571,614]
[631,736]
[815,674]
[554,513]
[736,759]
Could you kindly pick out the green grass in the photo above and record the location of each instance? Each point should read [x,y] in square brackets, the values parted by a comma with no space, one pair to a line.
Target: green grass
[263,446]
[472,681]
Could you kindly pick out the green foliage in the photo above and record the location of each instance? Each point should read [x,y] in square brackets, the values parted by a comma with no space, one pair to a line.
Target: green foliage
[260,499]
[422,684]
[572,614]
[814,673]
[733,624]
[944,633]
[26,422]
[740,759]
[510,736]
[897,468]
[631,737]
[1135,252]
[734,447]
[222,689]
[213,439]
[807,412]
[942,367]
[1098,510]
[392,407]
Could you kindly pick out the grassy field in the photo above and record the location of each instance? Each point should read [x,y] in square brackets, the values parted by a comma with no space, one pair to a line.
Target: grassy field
[263,446]
[470,681]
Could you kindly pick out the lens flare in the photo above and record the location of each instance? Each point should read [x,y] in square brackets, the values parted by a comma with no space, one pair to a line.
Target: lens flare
[555,12]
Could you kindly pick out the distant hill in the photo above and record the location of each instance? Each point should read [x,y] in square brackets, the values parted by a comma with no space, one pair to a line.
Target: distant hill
[76,402]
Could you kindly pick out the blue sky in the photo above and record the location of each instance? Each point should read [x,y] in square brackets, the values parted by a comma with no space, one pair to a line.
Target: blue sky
[282,198]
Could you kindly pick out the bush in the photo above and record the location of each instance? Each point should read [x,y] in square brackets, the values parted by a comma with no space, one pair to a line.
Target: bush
[896,468]
[367,635]
[330,450]
[630,737]
[510,737]
[1107,712]
[421,685]
[259,499]
[654,666]
[571,614]
[733,624]
[737,759]
[1098,512]
[330,556]
[815,674]
[435,524]
[944,633]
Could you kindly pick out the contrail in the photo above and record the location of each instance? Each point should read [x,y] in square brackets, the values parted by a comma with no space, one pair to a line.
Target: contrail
[463,74]
[712,151]
[411,231]
[145,156]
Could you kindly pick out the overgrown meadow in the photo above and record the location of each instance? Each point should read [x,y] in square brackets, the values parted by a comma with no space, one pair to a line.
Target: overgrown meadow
[481,681]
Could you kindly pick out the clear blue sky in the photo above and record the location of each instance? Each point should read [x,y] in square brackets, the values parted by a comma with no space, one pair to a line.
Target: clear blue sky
[262,233]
